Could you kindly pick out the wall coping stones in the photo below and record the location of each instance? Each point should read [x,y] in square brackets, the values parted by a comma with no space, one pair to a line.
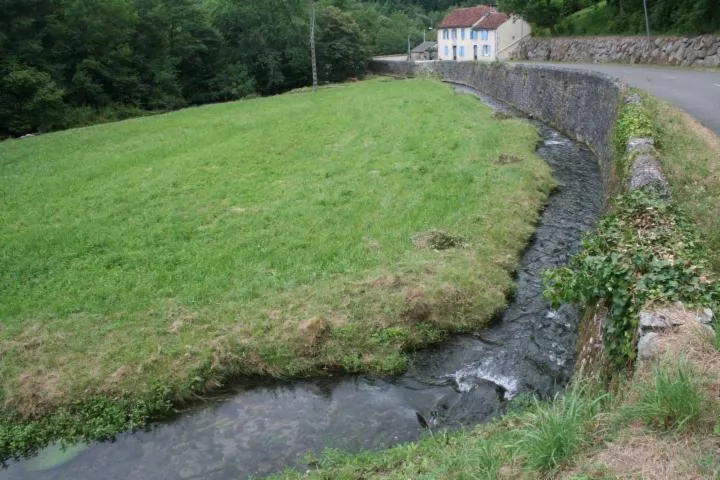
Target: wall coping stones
[700,51]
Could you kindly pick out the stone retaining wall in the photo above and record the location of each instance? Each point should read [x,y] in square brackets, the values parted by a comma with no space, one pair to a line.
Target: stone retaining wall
[703,51]
[583,105]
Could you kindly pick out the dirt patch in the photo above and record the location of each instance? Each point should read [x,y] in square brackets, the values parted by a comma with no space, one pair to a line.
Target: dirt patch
[438,240]
[314,330]
[388,281]
[648,457]
[507,159]
[37,392]
[179,316]
[500,115]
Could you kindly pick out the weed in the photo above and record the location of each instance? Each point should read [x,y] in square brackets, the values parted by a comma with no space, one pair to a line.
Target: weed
[672,400]
[557,430]
[634,121]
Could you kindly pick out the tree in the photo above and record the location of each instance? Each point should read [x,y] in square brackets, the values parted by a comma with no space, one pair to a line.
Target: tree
[30,100]
[341,47]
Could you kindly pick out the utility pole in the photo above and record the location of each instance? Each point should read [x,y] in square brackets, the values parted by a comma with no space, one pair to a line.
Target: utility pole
[408,48]
[312,45]
[647,19]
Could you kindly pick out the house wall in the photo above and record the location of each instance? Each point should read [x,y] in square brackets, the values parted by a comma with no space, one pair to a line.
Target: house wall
[468,43]
[509,35]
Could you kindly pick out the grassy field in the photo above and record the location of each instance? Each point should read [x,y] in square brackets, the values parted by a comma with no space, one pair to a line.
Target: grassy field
[284,236]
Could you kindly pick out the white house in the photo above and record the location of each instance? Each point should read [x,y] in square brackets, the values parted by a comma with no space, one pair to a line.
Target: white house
[479,33]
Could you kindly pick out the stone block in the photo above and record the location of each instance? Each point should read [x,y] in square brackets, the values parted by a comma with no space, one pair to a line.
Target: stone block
[649,346]
[646,173]
[706,316]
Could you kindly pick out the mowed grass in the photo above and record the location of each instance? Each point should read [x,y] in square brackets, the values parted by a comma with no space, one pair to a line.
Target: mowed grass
[264,237]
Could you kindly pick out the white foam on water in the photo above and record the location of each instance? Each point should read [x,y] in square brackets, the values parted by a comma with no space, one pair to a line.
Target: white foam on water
[464,380]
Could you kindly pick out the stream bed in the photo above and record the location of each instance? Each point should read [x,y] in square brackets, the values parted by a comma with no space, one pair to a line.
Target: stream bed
[258,430]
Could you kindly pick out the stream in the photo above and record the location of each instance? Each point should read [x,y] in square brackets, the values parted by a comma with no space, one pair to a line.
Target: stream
[258,430]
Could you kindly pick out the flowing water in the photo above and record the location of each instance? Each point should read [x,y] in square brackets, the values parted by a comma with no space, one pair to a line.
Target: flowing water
[264,428]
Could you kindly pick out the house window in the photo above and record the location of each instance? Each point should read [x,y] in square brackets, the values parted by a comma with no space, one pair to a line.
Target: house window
[454,33]
[447,51]
[446,34]
[484,34]
[462,34]
[486,50]
[473,35]
[462,52]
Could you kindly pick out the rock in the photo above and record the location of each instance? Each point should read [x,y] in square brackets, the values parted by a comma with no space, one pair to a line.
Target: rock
[649,320]
[706,317]
[649,346]
[646,172]
[633,99]
[712,61]
[640,144]
[710,329]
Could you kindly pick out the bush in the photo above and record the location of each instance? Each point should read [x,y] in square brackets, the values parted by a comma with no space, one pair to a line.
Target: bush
[30,101]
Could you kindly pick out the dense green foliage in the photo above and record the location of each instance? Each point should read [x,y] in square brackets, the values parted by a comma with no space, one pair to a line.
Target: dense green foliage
[606,17]
[73,62]
[644,251]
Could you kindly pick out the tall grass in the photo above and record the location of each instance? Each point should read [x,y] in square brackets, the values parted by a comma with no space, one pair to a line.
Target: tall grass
[672,399]
[557,430]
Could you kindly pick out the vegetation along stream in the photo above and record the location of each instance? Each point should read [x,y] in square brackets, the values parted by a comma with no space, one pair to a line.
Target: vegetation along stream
[261,429]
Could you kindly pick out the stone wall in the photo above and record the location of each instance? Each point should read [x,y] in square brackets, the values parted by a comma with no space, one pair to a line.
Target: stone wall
[703,51]
[583,105]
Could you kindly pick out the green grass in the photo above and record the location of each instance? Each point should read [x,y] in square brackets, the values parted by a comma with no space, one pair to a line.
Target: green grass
[160,256]
[672,400]
[690,158]
[593,20]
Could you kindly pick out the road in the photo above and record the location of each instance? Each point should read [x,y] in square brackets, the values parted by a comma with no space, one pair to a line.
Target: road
[696,92]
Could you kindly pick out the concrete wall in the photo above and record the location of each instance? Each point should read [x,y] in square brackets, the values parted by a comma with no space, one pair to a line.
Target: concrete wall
[583,105]
[703,51]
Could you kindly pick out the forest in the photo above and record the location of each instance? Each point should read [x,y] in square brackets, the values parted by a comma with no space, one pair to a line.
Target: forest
[66,63]
[621,17]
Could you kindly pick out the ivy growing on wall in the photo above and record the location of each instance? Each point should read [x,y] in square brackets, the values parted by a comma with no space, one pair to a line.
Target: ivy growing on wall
[644,251]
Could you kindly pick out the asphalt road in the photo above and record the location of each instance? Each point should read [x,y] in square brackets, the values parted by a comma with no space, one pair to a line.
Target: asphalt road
[696,92]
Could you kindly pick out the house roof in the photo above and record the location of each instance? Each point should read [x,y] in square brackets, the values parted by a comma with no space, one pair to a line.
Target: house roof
[491,21]
[424,47]
[465,17]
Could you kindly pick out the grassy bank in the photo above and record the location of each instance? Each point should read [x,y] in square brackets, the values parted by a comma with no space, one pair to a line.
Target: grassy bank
[146,261]
[659,419]
[690,156]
